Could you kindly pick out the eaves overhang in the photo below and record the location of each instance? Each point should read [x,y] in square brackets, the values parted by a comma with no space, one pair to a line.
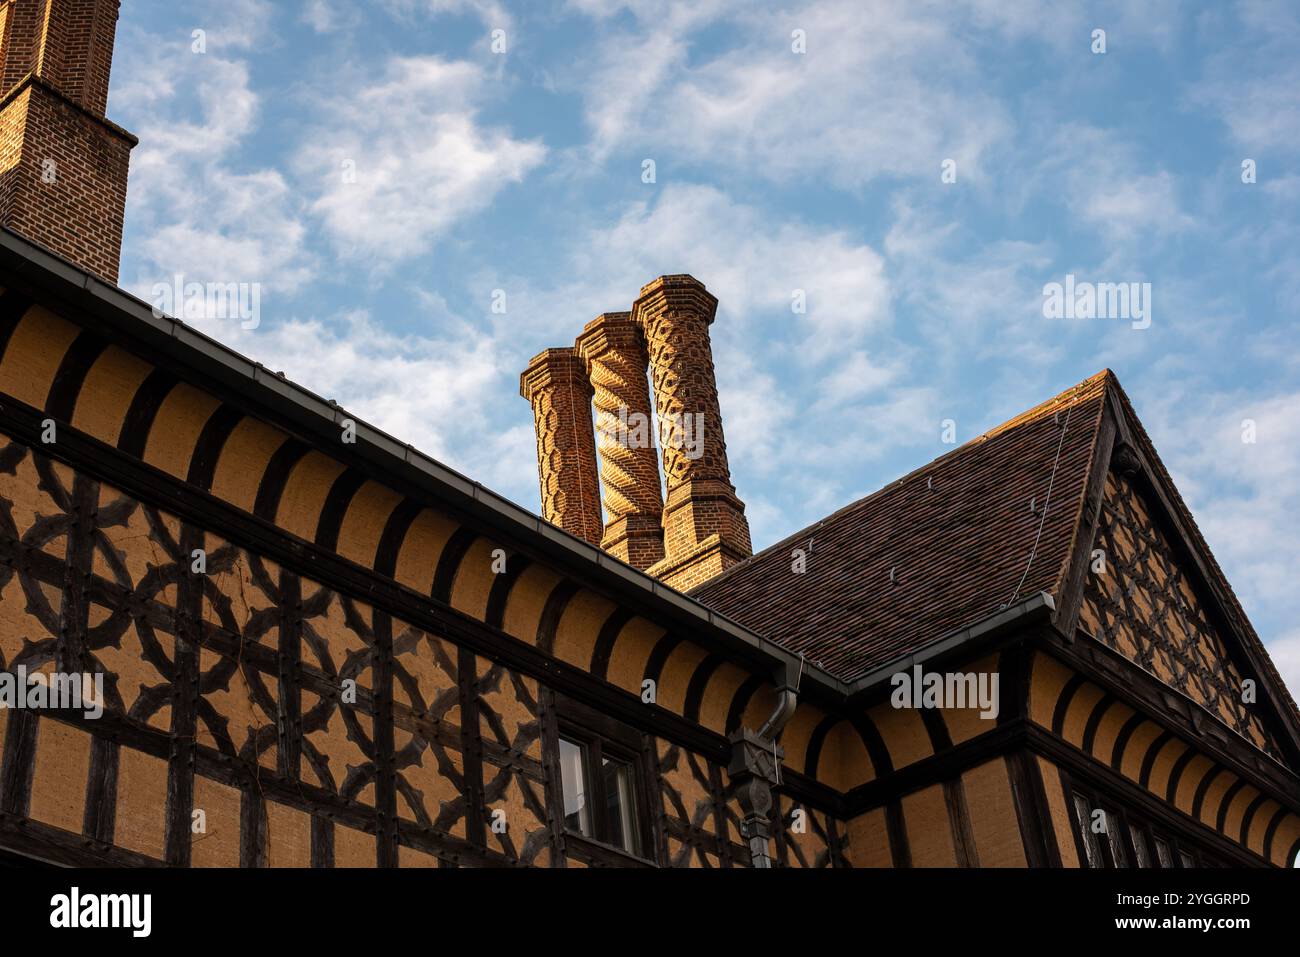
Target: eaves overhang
[1011,620]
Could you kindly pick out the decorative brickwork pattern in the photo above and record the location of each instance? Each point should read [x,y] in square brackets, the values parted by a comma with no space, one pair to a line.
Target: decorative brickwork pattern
[614,352]
[705,530]
[555,382]
[63,166]
[675,313]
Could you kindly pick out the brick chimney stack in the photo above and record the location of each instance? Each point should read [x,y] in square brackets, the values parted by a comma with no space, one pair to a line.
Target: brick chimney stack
[63,165]
[705,530]
[615,356]
[700,529]
[556,385]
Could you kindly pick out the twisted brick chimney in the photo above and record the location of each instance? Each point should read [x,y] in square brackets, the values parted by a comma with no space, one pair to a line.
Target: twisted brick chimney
[556,385]
[615,357]
[705,530]
[63,165]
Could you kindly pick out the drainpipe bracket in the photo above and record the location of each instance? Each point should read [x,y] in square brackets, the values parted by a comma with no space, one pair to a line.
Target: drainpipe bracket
[753,773]
[753,757]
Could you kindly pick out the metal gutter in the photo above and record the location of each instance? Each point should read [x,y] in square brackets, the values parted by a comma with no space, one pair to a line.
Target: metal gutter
[1035,608]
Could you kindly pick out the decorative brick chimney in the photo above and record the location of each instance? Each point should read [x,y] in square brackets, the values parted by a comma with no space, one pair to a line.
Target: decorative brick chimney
[556,385]
[700,530]
[705,530]
[615,356]
[63,166]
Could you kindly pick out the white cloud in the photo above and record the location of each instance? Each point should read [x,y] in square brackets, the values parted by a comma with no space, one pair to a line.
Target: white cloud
[422,162]
[970,300]
[232,25]
[492,13]
[1105,184]
[884,90]
[414,387]
[753,261]
[1253,81]
[200,208]
[1285,652]
[192,208]
[326,16]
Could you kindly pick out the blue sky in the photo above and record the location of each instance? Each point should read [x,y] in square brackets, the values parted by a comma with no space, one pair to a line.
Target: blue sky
[521,171]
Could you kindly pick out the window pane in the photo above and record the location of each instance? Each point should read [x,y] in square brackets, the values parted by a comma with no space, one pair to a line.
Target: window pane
[1115,833]
[1140,848]
[1162,852]
[577,816]
[620,805]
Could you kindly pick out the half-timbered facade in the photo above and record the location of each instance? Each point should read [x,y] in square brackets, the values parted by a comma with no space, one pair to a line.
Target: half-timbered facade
[377,660]
[319,647]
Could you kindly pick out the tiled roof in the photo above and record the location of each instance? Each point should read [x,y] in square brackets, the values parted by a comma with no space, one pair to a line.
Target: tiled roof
[956,535]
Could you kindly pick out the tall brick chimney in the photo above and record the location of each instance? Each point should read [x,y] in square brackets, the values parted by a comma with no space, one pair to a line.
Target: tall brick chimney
[63,165]
[705,530]
[556,385]
[614,352]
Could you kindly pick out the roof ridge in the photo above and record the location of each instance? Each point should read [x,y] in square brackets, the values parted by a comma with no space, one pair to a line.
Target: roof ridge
[1108,379]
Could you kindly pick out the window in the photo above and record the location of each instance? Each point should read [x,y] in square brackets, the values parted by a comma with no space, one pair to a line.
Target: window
[573,774]
[1115,834]
[1126,840]
[600,793]
[1102,833]
[602,780]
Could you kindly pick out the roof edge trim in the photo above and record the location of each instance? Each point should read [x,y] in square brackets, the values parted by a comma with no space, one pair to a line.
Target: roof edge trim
[1039,606]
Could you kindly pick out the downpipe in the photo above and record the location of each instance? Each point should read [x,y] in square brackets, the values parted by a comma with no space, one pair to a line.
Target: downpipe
[755,765]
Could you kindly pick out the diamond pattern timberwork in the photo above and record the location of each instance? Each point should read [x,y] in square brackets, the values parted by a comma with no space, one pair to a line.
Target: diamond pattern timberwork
[1143,606]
